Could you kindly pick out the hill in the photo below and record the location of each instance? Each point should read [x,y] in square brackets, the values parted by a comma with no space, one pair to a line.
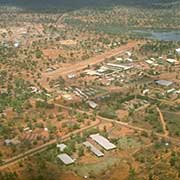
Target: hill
[74,4]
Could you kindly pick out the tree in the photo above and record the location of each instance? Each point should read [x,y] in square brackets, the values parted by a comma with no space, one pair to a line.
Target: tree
[80,151]
[132,174]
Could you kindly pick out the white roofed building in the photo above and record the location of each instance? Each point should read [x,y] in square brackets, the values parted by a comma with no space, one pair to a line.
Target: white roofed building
[171,61]
[61,147]
[178,50]
[66,159]
[102,141]
[96,151]
[164,82]
[92,104]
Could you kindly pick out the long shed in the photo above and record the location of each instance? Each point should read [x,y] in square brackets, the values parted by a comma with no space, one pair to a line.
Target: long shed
[96,151]
[102,141]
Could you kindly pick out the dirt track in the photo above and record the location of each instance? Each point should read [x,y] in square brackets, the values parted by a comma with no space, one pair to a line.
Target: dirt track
[32,152]
[163,122]
[84,64]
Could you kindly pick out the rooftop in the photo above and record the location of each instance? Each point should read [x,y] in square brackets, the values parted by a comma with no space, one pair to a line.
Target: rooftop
[92,104]
[164,82]
[61,146]
[102,141]
[96,151]
[66,159]
[178,50]
[125,67]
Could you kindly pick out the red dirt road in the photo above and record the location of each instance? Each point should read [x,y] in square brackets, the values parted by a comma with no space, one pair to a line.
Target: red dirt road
[163,122]
[84,64]
[31,152]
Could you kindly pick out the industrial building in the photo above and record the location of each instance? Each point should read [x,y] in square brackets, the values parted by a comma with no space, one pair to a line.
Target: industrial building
[66,159]
[102,141]
[96,151]
[164,82]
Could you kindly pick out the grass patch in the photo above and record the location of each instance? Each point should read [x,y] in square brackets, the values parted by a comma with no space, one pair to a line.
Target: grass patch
[128,143]
[173,122]
[96,168]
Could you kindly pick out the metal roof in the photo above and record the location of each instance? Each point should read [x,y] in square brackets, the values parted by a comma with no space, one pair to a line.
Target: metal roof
[105,143]
[164,82]
[66,159]
[92,104]
[96,151]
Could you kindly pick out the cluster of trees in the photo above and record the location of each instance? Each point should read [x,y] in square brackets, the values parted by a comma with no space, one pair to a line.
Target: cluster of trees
[44,104]
[160,48]
[152,117]
[17,94]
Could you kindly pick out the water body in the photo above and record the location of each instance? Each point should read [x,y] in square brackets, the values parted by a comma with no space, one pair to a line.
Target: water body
[160,35]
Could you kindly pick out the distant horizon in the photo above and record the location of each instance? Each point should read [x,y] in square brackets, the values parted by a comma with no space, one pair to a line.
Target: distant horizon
[73,4]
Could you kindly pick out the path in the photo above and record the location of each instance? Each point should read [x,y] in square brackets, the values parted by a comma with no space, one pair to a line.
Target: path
[43,147]
[163,122]
[166,136]
[34,151]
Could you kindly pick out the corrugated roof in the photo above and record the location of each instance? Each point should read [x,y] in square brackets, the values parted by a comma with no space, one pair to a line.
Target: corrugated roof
[96,151]
[164,82]
[105,143]
[66,159]
[92,104]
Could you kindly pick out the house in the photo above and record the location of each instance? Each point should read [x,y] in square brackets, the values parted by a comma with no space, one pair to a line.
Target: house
[92,104]
[61,147]
[102,69]
[102,141]
[164,83]
[11,142]
[119,59]
[171,61]
[66,159]
[177,92]
[129,59]
[34,89]
[124,67]
[152,59]
[178,50]
[71,76]
[128,53]
[170,90]
[96,151]
[16,44]
[92,72]
[26,129]
[145,91]
[67,96]
[50,69]
[149,62]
